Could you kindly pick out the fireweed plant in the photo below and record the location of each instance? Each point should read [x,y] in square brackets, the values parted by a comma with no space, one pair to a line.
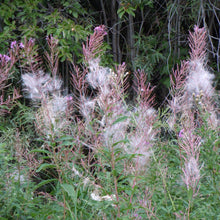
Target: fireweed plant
[96,156]
[6,69]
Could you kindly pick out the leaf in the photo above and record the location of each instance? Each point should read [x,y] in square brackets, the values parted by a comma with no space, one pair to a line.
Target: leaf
[121,158]
[45,166]
[120,12]
[120,119]
[124,141]
[66,143]
[4,107]
[40,151]
[65,138]
[130,11]
[75,14]
[70,190]
[44,182]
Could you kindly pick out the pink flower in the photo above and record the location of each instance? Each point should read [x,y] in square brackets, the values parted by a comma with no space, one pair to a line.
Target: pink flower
[100,29]
[69,98]
[4,58]
[181,133]
[21,45]
[196,28]
[13,44]
[31,40]
[7,58]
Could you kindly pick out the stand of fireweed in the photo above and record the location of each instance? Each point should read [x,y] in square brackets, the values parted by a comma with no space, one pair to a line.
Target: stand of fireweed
[106,113]
[192,108]
[98,157]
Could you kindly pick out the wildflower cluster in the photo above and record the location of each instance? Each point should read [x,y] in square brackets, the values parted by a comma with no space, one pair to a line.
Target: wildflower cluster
[192,99]
[115,114]
[46,90]
[94,149]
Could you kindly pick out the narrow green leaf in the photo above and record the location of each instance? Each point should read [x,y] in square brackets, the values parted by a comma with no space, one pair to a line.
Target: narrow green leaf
[45,166]
[40,151]
[124,141]
[65,138]
[44,182]
[66,143]
[121,158]
[4,107]
[120,119]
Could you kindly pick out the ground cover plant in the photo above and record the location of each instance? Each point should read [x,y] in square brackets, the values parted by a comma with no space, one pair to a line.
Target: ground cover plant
[94,154]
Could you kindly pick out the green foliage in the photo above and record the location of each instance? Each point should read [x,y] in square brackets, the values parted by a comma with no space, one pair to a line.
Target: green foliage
[130,6]
[151,55]
[39,18]
[126,9]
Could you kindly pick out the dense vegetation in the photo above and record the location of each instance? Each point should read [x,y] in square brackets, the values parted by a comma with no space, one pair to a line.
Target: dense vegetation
[109,109]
